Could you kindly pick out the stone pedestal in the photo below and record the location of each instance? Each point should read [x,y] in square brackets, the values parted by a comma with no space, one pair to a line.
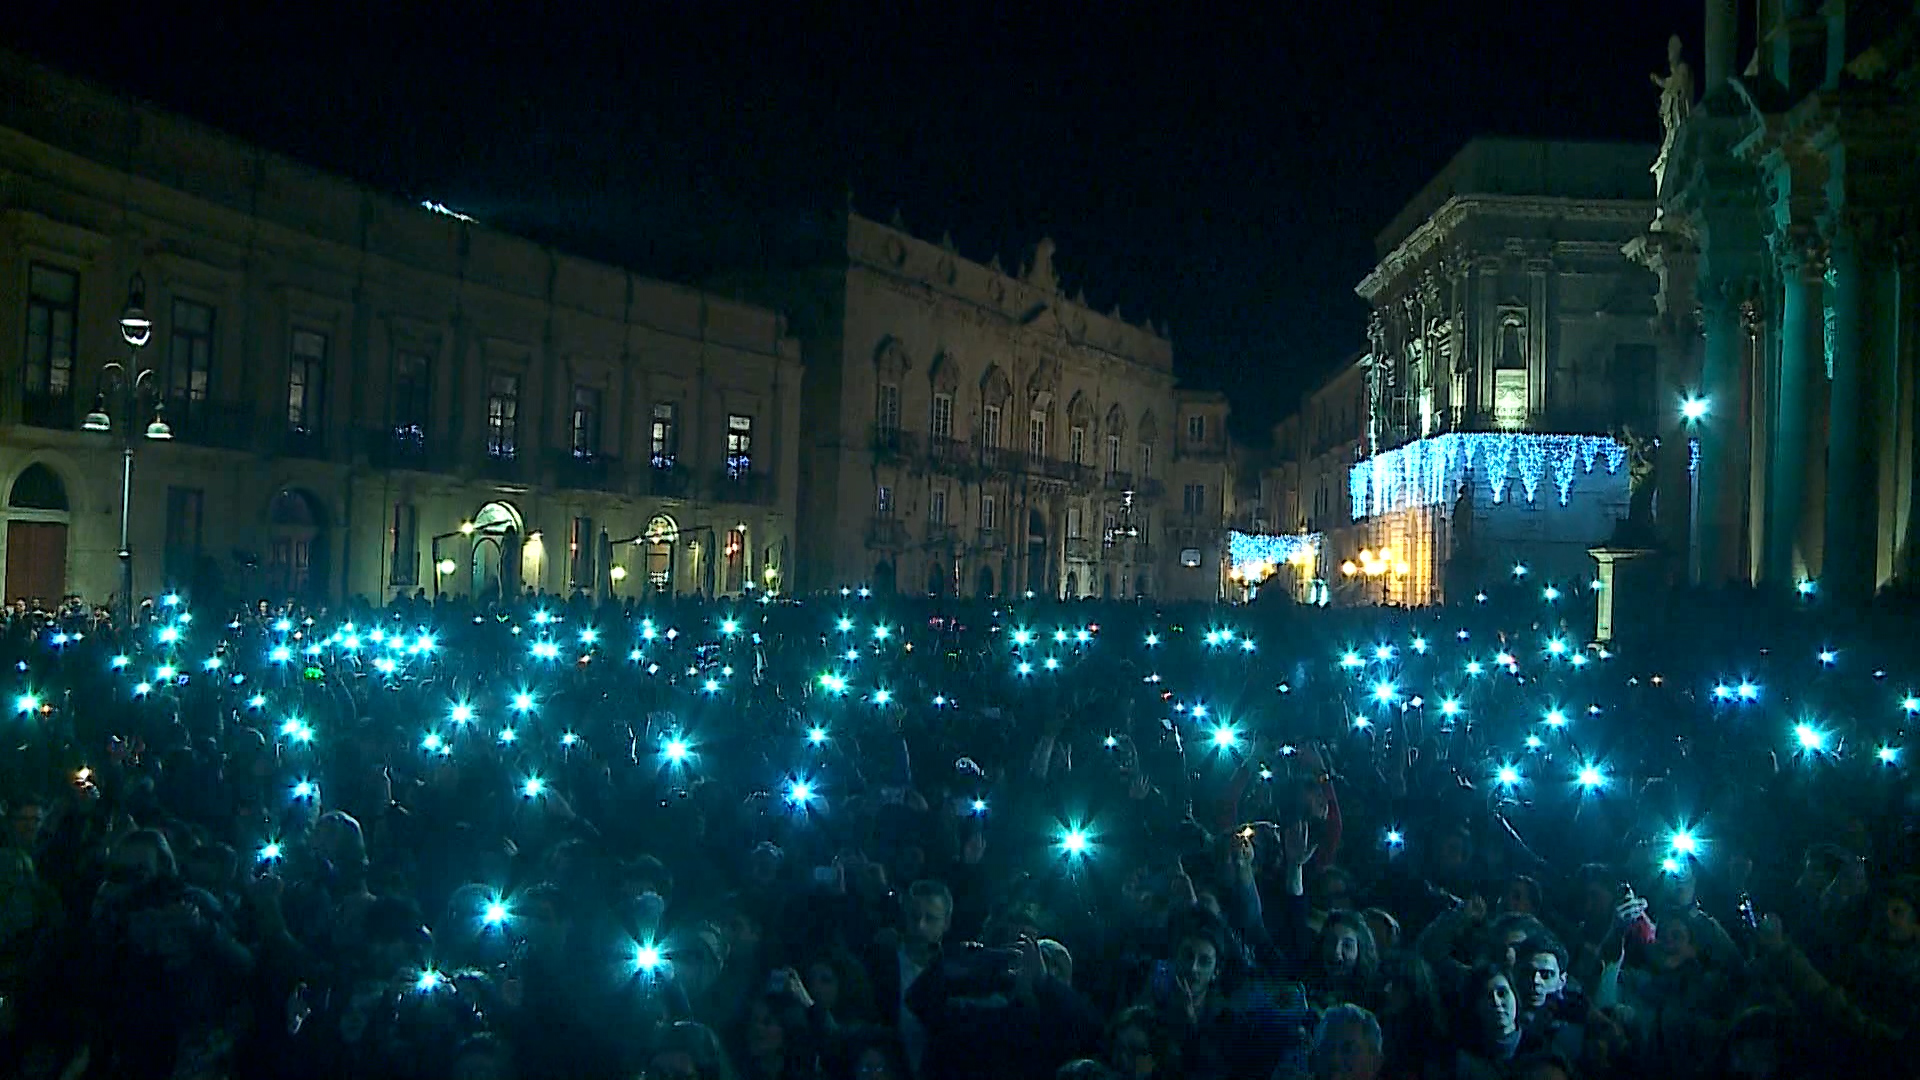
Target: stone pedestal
[1630,583]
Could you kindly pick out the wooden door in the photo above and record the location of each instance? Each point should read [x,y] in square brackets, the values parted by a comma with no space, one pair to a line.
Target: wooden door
[36,561]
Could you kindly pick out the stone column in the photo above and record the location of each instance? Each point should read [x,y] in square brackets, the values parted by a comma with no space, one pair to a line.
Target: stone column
[1848,565]
[1723,33]
[1802,349]
[1719,497]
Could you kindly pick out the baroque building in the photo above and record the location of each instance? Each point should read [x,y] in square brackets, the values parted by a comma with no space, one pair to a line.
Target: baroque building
[1314,452]
[979,432]
[1510,364]
[362,396]
[1786,244]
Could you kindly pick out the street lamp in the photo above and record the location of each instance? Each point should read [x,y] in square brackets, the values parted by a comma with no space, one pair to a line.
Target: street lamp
[126,381]
[1692,411]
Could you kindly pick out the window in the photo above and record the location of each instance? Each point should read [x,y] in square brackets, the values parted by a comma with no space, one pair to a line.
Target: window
[990,427]
[1073,523]
[665,434]
[584,438]
[186,511]
[1196,428]
[986,513]
[1193,500]
[1037,435]
[1077,445]
[1112,525]
[937,506]
[739,445]
[53,313]
[886,415]
[189,371]
[1510,398]
[404,528]
[503,416]
[582,546]
[942,425]
[412,395]
[1146,461]
[306,382]
[1113,453]
[883,500]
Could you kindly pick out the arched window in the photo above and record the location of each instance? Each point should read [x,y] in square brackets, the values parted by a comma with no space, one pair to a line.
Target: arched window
[38,488]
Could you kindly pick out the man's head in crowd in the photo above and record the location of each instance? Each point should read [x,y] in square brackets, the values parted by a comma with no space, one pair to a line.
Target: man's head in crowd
[927,915]
[24,818]
[1541,966]
[1347,1045]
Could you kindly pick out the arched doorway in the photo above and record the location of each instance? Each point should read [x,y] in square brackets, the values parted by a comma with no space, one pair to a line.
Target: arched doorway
[883,579]
[661,534]
[1073,585]
[1140,586]
[296,545]
[936,580]
[1039,566]
[37,516]
[487,565]
[983,583]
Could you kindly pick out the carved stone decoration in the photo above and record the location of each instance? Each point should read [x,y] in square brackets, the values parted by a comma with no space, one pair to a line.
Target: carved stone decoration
[946,271]
[944,374]
[891,359]
[896,251]
[1040,275]
[1676,104]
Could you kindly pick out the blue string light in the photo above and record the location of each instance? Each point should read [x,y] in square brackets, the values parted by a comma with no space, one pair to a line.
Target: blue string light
[1431,472]
[1257,549]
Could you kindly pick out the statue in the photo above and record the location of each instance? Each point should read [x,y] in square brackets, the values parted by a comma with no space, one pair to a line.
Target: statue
[1642,481]
[1676,104]
[1040,275]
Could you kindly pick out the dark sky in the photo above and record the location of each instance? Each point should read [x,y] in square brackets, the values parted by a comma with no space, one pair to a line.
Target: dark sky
[1225,174]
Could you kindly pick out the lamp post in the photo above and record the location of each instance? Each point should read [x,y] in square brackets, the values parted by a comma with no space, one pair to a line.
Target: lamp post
[1692,411]
[127,381]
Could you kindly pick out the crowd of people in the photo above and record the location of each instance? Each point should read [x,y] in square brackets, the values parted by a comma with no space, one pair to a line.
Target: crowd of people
[856,835]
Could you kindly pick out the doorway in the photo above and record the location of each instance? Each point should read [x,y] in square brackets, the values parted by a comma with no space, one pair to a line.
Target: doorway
[296,545]
[37,511]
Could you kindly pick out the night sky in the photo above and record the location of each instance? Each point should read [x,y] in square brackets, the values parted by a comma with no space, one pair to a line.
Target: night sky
[1225,175]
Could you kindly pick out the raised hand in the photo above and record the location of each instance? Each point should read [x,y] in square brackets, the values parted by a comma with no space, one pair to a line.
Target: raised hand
[1297,846]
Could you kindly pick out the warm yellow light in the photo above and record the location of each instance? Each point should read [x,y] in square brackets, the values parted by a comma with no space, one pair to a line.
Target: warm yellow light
[770,574]
[1403,569]
[1366,555]
[618,573]
[466,528]
[445,566]
[1348,568]
[1386,554]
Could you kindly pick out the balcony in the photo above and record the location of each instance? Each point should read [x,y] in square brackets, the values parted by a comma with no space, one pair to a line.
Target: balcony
[502,465]
[992,539]
[666,479]
[999,460]
[45,410]
[1120,481]
[303,443]
[889,443]
[949,454]
[1066,472]
[745,487]
[583,472]
[1079,549]
[940,533]
[396,448]
[886,531]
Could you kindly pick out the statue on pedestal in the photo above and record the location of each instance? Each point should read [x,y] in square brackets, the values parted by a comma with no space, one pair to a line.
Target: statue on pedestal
[1637,530]
[1676,104]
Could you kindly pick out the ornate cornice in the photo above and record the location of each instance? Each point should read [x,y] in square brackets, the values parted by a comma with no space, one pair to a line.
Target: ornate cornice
[1438,230]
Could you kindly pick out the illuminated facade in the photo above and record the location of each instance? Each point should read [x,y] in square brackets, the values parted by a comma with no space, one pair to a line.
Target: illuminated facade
[979,432]
[349,380]
[1306,483]
[1509,350]
[1786,250]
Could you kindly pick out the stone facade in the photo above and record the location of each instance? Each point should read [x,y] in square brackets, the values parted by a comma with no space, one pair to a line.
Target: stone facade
[976,431]
[1315,451]
[1505,318]
[1786,251]
[350,380]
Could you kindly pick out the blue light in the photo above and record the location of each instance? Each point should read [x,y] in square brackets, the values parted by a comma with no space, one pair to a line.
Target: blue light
[1449,707]
[729,627]
[1507,776]
[280,654]
[1591,777]
[843,625]
[1152,640]
[523,702]
[1888,755]
[676,750]
[1051,663]
[1806,588]
[1383,652]
[533,788]
[495,914]
[1747,691]
[589,636]
[1420,645]
[1550,594]
[1810,738]
[120,662]
[1350,659]
[1385,693]
[169,635]
[1075,842]
[1474,667]
[1225,737]
[800,793]
[1024,668]
[882,632]
[817,736]
[1556,719]
[1534,743]
[882,697]
[1828,657]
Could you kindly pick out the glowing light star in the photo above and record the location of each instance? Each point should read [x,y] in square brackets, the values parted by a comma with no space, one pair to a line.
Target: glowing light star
[1591,778]
[1199,711]
[1670,865]
[672,633]
[541,618]
[1579,660]
[1385,693]
[281,626]
[1888,755]
[1910,703]
[1806,588]
[979,806]
[589,636]
[509,736]
[120,662]
[851,655]
[1747,691]
[425,643]
[429,981]
[1395,838]
[171,600]
[1082,636]
[729,627]
[433,742]
[1449,707]
[1474,667]
[569,739]
[462,714]
[495,914]
[1479,598]
[1213,637]
[1024,668]
[1534,743]
[1557,647]
[881,697]
[1350,659]
[1361,723]
[1225,737]
[1051,663]
[303,734]
[1556,719]
[351,642]
[1504,659]
[1153,640]
[169,635]
[257,702]
[817,735]
[939,701]
[1420,645]
[866,592]
[711,686]
[843,625]
[1266,773]
[1550,594]
[523,702]
[1828,656]
[1693,408]
[1723,692]
[1519,570]
[1809,737]
[1059,637]
[280,654]
[1074,842]
[882,632]
[647,632]
[1383,652]
[646,958]
[305,789]
[26,703]
[533,787]
[385,665]
[676,750]
[1507,776]
[634,655]
[546,650]
[799,792]
[270,852]
[833,683]
[1246,644]
[1683,842]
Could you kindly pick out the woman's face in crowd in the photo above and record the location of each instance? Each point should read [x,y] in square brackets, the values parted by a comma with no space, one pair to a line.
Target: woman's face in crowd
[1196,961]
[1674,947]
[1346,1054]
[765,1036]
[823,984]
[1497,1006]
[1342,950]
[1518,897]
[1133,1056]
